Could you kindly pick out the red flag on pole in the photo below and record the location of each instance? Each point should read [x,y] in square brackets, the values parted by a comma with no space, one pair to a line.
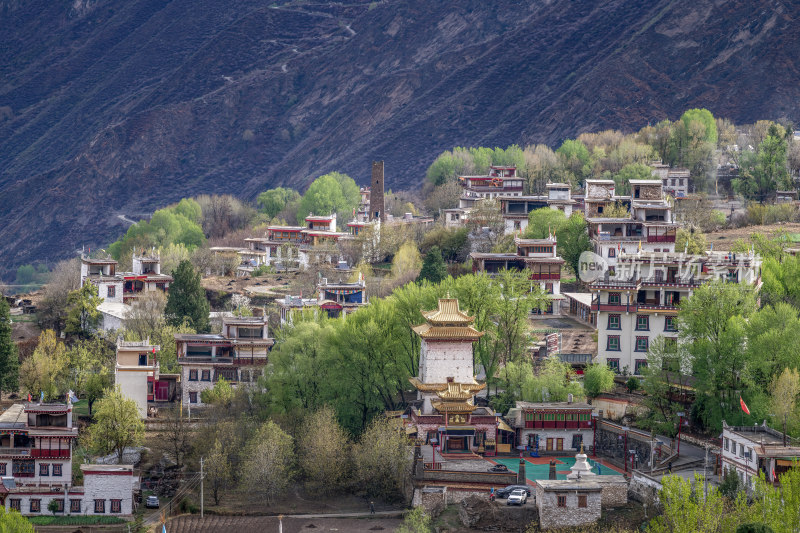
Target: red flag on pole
[744,406]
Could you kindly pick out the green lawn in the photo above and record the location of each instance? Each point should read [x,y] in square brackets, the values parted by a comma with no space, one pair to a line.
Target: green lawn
[80,408]
[75,520]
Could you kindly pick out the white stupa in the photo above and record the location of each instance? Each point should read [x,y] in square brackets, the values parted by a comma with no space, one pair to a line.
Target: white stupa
[581,469]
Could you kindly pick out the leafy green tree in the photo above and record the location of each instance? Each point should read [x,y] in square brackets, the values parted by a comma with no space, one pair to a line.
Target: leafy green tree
[597,379]
[382,460]
[53,506]
[87,358]
[632,171]
[9,359]
[690,240]
[13,522]
[331,193]
[433,267]
[268,465]
[785,390]
[666,375]
[713,326]
[542,222]
[704,117]
[730,485]
[407,262]
[275,200]
[773,333]
[190,209]
[45,370]
[572,240]
[96,386]
[686,511]
[177,224]
[218,470]
[616,210]
[453,243]
[554,383]
[116,426]
[220,394]
[83,316]
[576,159]
[765,171]
[187,299]
[416,521]
[321,438]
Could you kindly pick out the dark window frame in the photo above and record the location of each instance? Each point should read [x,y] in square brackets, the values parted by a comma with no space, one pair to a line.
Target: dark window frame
[193,374]
[618,319]
[638,347]
[99,507]
[642,320]
[608,343]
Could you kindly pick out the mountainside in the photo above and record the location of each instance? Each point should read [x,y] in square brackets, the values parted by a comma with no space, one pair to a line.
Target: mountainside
[111,107]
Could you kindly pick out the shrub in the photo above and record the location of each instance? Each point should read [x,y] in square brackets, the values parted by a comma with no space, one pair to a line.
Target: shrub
[758,214]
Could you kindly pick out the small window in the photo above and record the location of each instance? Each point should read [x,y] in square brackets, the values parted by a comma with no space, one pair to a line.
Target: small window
[670,323]
[2,469]
[614,298]
[641,344]
[614,322]
[112,291]
[192,397]
[612,252]
[192,375]
[613,364]
[15,504]
[581,500]
[149,388]
[44,469]
[99,506]
[639,365]
[116,506]
[613,343]
[206,375]
[726,444]
[75,506]
[642,323]
[142,359]
[57,470]
[36,506]
[562,500]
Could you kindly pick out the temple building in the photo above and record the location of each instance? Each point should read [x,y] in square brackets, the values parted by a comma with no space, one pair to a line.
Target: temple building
[552,427]
[446,384]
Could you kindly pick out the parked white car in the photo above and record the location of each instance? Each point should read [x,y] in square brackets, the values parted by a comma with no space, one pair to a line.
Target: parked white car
[517,497]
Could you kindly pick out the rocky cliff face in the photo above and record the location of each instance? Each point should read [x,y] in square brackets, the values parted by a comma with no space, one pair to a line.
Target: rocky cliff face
[112,107]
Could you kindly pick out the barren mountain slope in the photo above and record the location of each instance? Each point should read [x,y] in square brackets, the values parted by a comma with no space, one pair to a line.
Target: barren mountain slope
[112,107]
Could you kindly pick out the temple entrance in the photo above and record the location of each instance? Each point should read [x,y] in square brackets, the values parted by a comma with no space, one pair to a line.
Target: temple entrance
[457,444]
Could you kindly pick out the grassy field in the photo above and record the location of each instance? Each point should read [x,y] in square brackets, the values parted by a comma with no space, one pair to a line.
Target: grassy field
[80,408]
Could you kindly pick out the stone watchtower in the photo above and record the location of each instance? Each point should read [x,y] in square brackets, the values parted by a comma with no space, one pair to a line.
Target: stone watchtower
[376,202]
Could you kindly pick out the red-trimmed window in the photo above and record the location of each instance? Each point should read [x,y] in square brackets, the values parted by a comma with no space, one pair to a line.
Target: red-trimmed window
[639,365]
[614,298]
[642,323]
[612,343]
[670,323]
[15,504]
[192,397]
[44,469]
[193,375]
[116,506]
[612,252]
[75,506]
[56,470]
[99,506]
[613,364]
[59,505]
[112,291]
[641,344]
[36,505]
[614,322]
[562,500]
[206,375]
[2,469]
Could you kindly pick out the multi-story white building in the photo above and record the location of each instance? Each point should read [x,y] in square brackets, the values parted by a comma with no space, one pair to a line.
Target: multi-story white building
[500,181]
[674,180]
[36,442]
[751,450]
[238,355]
[640,300]
[119,289]
[335,299]
[649,226]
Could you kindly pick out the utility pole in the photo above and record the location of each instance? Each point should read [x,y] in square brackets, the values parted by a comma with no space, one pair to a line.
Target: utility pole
[201,489]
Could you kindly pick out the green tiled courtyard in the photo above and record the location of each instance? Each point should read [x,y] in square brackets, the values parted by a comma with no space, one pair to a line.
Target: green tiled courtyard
[541,468]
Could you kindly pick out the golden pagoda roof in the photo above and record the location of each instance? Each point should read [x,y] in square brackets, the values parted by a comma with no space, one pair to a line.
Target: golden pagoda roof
[449,391]
[428,331]
[453,407]
[448,313]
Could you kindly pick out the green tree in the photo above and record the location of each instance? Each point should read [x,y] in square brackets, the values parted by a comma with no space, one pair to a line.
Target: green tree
[220,394]
[96,386]
[730,485]
[83,316]
[9,359]
[616,210]
[53,506]
[453,243]
[665,376]
[572,240]
[554,383]
[13,522]
[416,521]
[275,200]
[542,222]
[322,438]
[331,193]
[177,224]
[765,171]
[704,117]
[382,460]
[576,160]
[632,171]
[267,468]
[116,426]
[85,359]
[785,391]
[686,511]
[187,299]
[597,379]
[433,267]
[45,370]
[407,262]
[218,470]
[690,240]
[712,324]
